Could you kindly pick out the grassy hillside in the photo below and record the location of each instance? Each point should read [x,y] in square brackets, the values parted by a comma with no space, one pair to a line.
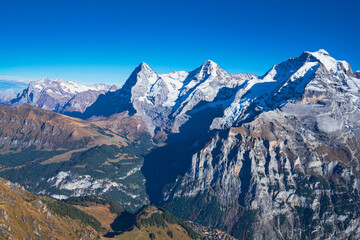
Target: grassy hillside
[24,215]
[102,209]
[22,127]
[27,216]
[152,222]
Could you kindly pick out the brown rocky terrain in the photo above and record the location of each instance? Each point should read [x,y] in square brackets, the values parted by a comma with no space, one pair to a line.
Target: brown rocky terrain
[31,126]
[24,215]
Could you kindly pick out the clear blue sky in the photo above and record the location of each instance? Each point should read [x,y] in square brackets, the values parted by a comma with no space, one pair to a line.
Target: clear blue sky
[103,41]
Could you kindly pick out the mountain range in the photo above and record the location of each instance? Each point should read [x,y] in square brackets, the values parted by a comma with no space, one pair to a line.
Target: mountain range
[59,95]
[261,157]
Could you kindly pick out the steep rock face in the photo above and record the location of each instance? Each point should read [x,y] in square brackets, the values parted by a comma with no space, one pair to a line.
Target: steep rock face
[60,95]
[208,86]
[289,165]
[167,101]
[120,100]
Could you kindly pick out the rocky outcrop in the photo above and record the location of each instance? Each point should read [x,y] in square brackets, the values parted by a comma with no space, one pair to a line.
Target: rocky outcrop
[357,74]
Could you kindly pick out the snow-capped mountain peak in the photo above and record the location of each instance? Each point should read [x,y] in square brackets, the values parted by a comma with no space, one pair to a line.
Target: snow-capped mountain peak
[165,100]
[66,86]
[323,52]
[287,81]
[209,63]
[208,67]
[144,66]
[329,62]
[60,95]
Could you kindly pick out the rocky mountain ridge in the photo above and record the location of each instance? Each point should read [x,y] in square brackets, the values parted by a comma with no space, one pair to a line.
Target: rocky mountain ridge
[288,165]
[164,101]
[58,95]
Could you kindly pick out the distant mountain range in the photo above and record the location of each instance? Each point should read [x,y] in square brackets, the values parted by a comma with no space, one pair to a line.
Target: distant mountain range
[59,95]
[261,157]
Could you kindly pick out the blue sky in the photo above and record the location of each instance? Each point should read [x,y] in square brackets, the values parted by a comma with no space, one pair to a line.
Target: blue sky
[103,41]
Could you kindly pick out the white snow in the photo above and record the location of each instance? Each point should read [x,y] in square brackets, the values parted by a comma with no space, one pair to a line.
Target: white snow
[329,62]
[174,82]
[328,124]
[59,196]
[303,70]
[66,86]
[131,172]
[81,185]
[61,176]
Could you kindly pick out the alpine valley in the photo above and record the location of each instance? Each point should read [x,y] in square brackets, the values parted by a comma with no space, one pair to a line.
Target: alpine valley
[259,157]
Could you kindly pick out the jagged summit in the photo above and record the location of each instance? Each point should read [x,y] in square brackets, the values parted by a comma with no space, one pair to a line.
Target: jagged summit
[143,66]
[330,63]
[208,67]
[209,63]
[322,51]
[305,62]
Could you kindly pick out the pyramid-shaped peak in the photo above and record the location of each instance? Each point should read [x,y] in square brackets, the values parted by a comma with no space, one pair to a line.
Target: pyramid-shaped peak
[208,66]
[144,65]
[209,63]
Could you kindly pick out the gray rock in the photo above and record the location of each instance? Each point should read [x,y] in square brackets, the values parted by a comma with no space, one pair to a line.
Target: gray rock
[59,95]
[289,158]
